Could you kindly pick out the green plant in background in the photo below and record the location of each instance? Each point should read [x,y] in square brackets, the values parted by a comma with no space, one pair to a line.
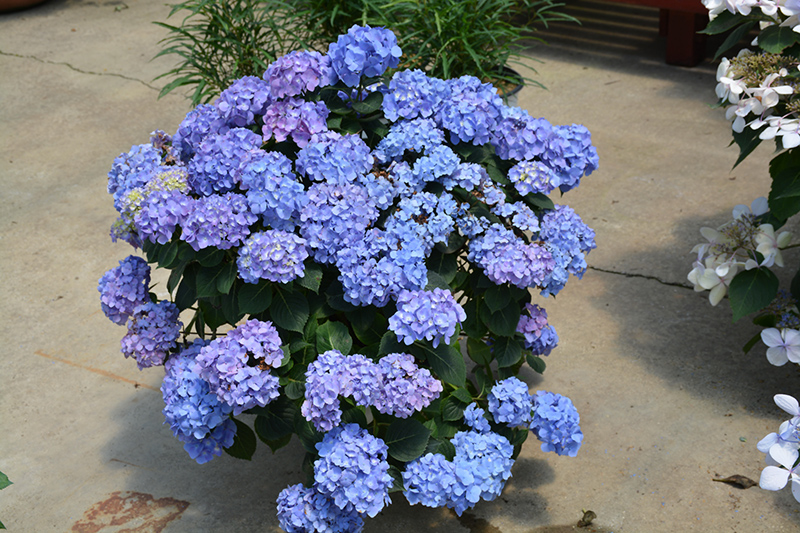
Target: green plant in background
[221,41]
[4,482]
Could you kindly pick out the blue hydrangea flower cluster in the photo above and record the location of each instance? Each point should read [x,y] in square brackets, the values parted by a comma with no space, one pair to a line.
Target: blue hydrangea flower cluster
[472,111]
[412,94]
[306,510]
[394,385]
[160,214]
[273,255]
[246,98]
[153,331]
[200,122]
[570,154]
[419,135]
[271,188]
[479,471]
[214,165]
[475,417]
[219,221]
[540,337]
[532,177]
[352,470]
[403,387]
[195,414]
[569,240]
[510,402]
[298,72]
[334,158]
[363,51]
[520,136]
[132,170]
[124,288]
[505,258]
[430,315]
[556,423]
[237,365]
[294,118]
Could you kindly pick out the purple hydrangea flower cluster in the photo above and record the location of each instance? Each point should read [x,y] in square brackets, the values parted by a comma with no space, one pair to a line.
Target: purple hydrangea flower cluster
[195,414]
[472,112]
[363,51]
[306,510]
[540,337]
[479,470]
[237,365]
[556,423]
[273,255]
[272,188]
[403,387]
[423,217]
[299,72]
[323,386]
[352,470]
[160,214]
[507,259]
[246,98]
[420,136]
[532,177]
[153,330]
[334,158]
[510,402]
[294,118]
[520,136]
[430,315]
[412,94]
[200,122]
[132,170]
[475,417]
[335,217]
[220,221]
[213,167]
[468,176]
[570,154]
[569,240]
[124,288]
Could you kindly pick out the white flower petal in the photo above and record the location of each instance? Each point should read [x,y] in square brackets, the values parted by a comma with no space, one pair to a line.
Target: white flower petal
[771,337]
[777,356]
[767,442]
[784,455]
[796,487]
[717,293]
[787,403]
[773,478]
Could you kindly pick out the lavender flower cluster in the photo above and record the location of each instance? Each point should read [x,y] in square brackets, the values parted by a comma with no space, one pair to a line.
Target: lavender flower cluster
[270,175]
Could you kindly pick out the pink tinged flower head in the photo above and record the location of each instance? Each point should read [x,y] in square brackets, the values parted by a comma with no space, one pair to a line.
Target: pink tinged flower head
[783,345]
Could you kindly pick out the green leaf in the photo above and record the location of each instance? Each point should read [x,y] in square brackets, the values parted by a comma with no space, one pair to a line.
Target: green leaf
[445,265]
[538,201]
[312,277]
[442,446]
[295,390]
[212,312]
[255,298]
[276,420]
[151,251]
[734,37]
[406,439]
[497,297]
[767,320]
[210,257]
[168,254]
[226,278]
[446,362]
[751,291]
[463,395]
[483,382]
[794,288]
[277,444]
[723,22]
[207,280]
[175,277]
[435,281]
[504,322]
[186,295]
[397,479]
[783,196]
[390,344]
[334,295]
[289,310]
[452,409]
[4,481]
[230,307]
[473,326]
[478,351]
[370,104]
[334,336]
[747,141]
[308,434]
[507,351]
[244,443]
[536,363]
[775,39]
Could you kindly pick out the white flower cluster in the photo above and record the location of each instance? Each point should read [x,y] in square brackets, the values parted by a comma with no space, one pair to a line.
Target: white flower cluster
[787,8]
[783,450]
[732,248]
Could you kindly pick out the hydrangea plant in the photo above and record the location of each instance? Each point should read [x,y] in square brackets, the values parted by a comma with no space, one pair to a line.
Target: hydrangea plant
[353,253]
[760,90]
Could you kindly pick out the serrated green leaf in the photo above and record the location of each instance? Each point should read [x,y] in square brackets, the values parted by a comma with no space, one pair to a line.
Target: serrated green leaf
[483,382]
[765,321]
[175,277]
[210,257]
[446,362]
[751,291]
[167,254]
[312,277]
[276,420]
[277,444]
[230,307]
[473,326]
[504,322]
[186,295]
[370,104]
[4,481]
[435,281]
[538,201]
[747,141]
[536,363]
[213,316]
[452,409]
[783,196]
[226,278]
[445,265]
[390,344]
[723,22]
[406,439]
[295,390]
[507,351]
[308,435]
[255,298]
[463,395]
[289,310]
[775,39]
[244,443]
[497,297]
[207,279]
[333,336]
[397,479]
[734,37]
[478,351]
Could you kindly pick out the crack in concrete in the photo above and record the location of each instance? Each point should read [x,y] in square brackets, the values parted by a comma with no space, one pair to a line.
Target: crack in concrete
[76,69]
[643,276]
